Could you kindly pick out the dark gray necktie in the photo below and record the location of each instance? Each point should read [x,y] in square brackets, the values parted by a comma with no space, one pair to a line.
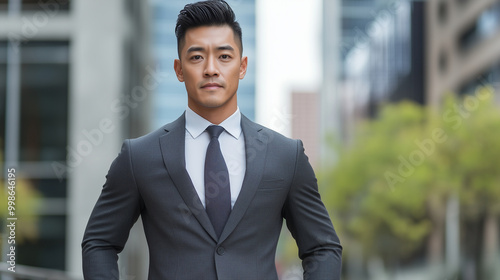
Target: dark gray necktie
[217,191]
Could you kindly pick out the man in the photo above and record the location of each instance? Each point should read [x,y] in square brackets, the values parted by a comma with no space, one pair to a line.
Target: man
[212,187]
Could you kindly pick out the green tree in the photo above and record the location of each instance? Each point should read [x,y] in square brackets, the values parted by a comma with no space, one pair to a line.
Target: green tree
[375,205]
[472,157]
[389,188]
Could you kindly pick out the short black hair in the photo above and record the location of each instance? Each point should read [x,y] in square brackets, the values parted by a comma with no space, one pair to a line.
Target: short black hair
[206,13]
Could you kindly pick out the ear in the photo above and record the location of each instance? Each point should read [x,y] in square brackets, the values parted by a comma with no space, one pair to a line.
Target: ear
[178,70]
[243,67]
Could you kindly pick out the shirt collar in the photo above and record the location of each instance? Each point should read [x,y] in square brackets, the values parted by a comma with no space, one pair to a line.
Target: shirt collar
[196,124]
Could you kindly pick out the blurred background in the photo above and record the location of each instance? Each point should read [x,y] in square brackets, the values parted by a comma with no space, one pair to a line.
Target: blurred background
[395,101]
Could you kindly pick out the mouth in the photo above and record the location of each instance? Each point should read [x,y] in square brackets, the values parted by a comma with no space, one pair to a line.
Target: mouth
[211,86]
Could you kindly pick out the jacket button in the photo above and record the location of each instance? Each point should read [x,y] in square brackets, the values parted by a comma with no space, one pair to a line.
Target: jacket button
[221,251]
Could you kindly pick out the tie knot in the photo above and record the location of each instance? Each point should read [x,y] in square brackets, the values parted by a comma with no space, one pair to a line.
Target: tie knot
[214,131]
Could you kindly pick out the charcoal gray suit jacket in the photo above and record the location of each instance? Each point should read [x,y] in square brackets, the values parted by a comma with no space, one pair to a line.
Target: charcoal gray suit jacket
[149,178]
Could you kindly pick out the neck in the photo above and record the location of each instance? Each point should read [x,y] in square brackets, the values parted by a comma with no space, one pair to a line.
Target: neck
[214,115]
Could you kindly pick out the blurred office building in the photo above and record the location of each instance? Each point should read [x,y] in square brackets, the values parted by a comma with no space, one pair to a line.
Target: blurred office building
[349,27]
[462,47]
[414,50]
[75,78]
[418,51]
[383,60]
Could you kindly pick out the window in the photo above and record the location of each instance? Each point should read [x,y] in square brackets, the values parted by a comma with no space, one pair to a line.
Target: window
[443,61]
[486,25]
[44,98]
[42,116]
[443,11]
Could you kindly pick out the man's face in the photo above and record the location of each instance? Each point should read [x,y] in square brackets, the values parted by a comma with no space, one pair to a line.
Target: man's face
[210,65]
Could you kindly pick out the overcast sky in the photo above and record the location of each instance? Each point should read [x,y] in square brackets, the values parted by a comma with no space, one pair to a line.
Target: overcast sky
[288,56]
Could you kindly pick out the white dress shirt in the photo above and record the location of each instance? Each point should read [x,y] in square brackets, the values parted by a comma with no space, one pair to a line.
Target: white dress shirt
[232,144]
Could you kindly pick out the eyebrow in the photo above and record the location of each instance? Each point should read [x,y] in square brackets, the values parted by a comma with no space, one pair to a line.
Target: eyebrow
[225,48]
[195,49]
[200,49]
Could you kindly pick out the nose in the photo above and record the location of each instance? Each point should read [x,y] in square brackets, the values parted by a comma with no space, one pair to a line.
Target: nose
[211,68]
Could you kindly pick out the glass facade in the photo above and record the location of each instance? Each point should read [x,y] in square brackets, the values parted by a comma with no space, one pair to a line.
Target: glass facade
[356,21]
[44,100]
[43,115]
[170,97]
[389,62]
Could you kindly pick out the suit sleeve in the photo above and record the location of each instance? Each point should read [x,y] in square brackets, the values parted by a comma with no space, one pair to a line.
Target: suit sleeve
[310,225]
[115,212]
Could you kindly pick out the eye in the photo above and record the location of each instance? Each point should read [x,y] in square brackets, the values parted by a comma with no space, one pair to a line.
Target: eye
[196,57]
[225,57]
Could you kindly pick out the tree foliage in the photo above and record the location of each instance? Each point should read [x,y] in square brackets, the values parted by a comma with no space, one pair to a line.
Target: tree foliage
[389,187]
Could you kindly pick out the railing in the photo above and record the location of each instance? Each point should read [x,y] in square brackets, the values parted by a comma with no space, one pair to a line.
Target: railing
[23,272]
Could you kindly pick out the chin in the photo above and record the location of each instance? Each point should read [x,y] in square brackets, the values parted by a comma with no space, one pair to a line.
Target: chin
[213,105]
[214,102]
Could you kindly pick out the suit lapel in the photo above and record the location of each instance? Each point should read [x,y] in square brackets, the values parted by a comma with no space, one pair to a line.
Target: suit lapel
[255,149]
[173,151]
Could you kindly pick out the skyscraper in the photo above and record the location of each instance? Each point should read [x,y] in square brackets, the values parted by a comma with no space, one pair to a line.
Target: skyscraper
[71,89]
